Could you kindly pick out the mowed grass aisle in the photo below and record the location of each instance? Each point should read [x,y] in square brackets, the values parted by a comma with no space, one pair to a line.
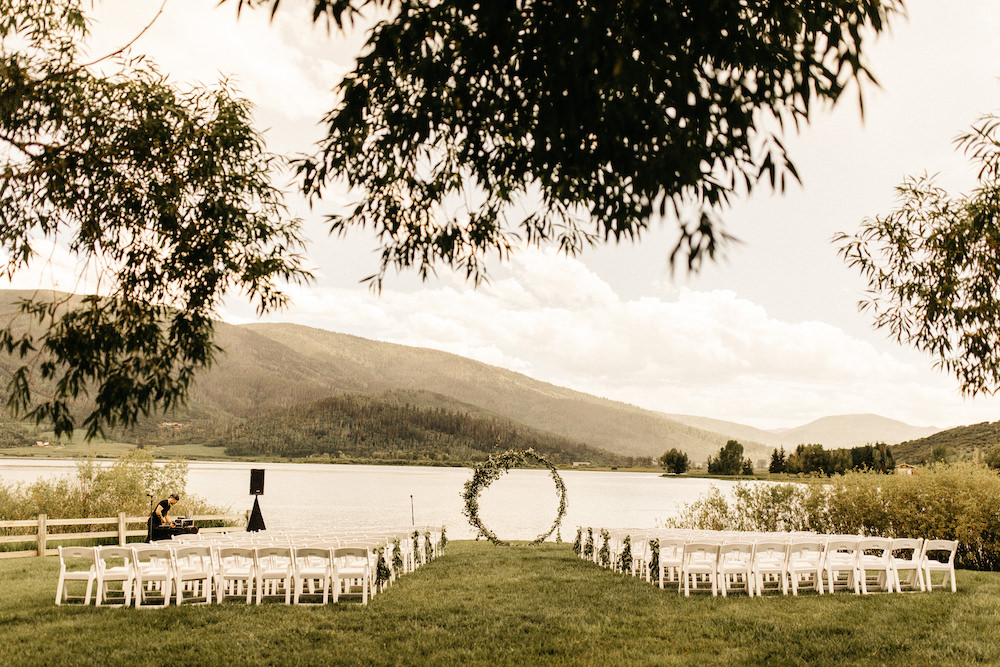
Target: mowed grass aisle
[480,604]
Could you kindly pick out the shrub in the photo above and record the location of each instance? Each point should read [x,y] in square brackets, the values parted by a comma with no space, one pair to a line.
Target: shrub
[96,491]
[675,461]
[956,502]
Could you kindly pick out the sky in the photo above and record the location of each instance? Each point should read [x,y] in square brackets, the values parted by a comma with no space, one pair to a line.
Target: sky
[769,336]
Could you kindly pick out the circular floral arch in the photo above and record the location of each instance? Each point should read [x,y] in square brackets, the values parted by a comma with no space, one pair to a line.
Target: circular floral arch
[490,471]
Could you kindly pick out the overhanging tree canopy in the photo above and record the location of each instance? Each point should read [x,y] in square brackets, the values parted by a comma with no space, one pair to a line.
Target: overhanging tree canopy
[933,266]
[164,194]
[465,128]
[468,126]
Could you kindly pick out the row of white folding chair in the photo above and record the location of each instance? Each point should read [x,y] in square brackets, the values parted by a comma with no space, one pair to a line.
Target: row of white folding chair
[428,538]
[377,542]
[842,568]
[138,570]
[151,574]
[376,547]
[864,563]
[411,557]
[271,571]
[641,537]
[838,563]
[414,544]
[159,570]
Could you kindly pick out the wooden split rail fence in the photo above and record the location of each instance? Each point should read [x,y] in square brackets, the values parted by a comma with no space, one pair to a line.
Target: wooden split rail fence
[121,527]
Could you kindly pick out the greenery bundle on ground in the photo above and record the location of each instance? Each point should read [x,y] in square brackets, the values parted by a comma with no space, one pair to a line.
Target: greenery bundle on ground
[479,604]
[956,502]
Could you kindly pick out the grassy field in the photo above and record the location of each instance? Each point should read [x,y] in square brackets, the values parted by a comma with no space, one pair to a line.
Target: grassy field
[480,604]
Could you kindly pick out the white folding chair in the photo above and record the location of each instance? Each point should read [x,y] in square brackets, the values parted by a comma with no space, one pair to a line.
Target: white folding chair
[805,563]
[274,567]
[770,566]
[639,566]
[234,572]
[616,545]
[840,563]
[931,561]
[313,569]
[352,568]
[905,560]
[700,566]
[875,564]
[115,564]
[76,564]
[153,576]
[194,572]
[734,567]
[671,559]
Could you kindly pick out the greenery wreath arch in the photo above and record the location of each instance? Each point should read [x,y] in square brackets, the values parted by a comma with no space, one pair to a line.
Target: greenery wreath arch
[491,470]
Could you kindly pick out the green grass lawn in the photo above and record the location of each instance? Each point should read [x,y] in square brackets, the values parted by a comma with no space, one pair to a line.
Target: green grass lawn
[480,604]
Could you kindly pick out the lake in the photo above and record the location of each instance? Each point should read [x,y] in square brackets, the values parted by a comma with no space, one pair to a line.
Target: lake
[520,505]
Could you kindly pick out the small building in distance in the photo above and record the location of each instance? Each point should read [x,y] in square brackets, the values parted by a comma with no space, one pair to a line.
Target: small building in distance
[577,464]
[904,469]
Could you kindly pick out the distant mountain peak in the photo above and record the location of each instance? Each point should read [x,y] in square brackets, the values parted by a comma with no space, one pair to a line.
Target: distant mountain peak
[833,432]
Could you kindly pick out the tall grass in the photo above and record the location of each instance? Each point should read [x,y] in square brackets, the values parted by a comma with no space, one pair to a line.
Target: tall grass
[956,502]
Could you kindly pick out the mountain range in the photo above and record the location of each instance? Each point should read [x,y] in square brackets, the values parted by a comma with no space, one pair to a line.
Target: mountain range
[268,368]
[832,432]
[276,366]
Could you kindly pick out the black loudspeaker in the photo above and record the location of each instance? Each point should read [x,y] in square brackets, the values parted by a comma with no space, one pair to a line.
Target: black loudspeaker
[256,482]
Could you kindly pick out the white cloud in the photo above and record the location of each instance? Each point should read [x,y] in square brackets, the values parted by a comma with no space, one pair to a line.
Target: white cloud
[287,66]
[710,353]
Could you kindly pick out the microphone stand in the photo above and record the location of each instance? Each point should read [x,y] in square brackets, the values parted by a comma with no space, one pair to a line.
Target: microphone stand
[149,520]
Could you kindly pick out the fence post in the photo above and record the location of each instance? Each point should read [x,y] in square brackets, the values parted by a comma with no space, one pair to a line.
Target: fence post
[41,534]
[122,536]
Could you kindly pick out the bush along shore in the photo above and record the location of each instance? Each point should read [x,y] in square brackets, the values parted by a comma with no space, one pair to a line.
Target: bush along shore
[958,501]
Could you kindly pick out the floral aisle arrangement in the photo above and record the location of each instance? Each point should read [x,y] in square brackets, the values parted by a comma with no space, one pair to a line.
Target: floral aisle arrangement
[625,558]
[604,555]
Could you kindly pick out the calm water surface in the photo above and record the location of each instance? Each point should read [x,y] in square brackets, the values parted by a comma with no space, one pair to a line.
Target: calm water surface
[519,505]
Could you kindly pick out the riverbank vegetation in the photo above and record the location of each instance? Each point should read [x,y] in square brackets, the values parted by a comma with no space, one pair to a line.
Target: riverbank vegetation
[730,461]
[941,501]
[813,459]
[479,604]
[103,491]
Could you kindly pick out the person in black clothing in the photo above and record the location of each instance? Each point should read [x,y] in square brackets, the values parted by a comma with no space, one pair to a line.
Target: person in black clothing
[160,525]
[160,516]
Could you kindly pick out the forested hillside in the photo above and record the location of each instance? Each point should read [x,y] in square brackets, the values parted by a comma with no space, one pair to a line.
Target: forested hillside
[310,359]
[273,367]
[392,427]
[961,442]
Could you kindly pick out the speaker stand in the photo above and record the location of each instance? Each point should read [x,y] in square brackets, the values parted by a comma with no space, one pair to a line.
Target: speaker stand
[256,519]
